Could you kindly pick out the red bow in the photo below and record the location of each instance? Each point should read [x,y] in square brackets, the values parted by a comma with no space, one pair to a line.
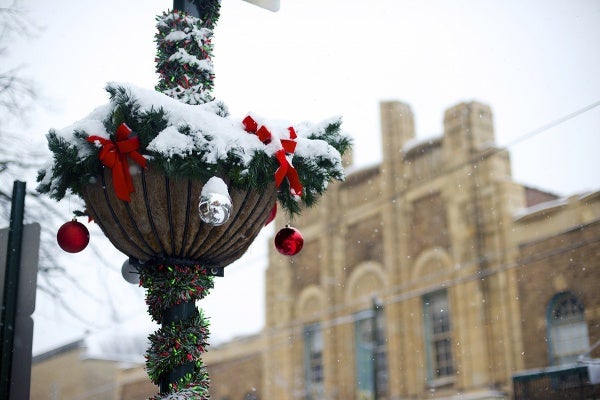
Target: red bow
[114,156]
[252,126]
[286,169]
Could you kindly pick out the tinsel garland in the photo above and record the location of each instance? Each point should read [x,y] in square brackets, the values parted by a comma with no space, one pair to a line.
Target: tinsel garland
[170,285]
[179,343]
[184,58]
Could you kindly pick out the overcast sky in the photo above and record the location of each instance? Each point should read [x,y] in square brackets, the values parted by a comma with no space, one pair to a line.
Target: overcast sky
[531,61]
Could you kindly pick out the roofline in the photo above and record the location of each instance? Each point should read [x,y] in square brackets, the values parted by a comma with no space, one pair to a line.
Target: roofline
[58,351]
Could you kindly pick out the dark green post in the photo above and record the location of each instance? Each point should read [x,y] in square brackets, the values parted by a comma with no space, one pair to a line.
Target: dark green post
[187,6]
[11,282]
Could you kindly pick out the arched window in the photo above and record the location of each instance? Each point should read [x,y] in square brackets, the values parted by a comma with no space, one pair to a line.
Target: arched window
[567,329]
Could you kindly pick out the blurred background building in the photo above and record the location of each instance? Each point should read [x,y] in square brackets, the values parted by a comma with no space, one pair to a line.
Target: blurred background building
[432,275]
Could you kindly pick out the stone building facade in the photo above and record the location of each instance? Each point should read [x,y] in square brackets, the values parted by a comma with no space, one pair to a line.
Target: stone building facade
[431,275]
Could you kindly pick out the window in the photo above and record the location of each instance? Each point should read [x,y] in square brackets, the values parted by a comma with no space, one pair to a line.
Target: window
[567,328]
[371,355]
[438,346]
[313,362]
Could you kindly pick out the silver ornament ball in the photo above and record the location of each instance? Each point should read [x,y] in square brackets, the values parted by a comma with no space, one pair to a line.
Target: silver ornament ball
[214,208]
[130,273]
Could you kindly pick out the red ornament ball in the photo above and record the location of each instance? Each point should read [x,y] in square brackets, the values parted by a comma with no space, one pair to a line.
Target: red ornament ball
[73,237]
[289,241]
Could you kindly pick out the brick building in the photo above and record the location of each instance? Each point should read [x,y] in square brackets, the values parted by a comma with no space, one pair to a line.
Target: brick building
[430,276]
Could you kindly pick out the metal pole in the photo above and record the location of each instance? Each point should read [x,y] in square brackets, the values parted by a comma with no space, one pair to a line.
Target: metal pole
[11,282]
[187,6]
[375,337]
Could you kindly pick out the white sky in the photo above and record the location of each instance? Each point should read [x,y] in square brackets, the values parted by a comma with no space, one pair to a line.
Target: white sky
[532,62]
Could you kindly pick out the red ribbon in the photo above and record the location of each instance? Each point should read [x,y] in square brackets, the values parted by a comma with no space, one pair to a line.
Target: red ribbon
[114,156]
[252,126]
[285,170]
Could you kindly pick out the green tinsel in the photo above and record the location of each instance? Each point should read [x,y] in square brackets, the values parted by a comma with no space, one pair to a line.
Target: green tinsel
[183,341]
[169,285]
[177,344]
[183,58]
[192,391]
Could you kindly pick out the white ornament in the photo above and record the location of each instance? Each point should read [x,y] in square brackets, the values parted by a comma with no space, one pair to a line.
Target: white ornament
[130,273]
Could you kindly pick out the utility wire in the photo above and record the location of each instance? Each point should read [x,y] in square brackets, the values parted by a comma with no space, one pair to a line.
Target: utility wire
[553,124]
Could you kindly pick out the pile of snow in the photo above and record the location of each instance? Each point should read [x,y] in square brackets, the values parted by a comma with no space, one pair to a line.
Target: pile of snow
[198,127]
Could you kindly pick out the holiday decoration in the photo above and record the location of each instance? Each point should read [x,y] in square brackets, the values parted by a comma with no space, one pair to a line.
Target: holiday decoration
[73,236]
[183,189]
[283,155]
[130,272]
[114,155]
[215,203]
[183,57]
[289,241]
[214,208]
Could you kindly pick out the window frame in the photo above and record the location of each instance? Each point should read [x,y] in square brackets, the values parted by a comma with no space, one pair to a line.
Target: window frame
[314,374]
[362,320]
[556,326]
[438,375]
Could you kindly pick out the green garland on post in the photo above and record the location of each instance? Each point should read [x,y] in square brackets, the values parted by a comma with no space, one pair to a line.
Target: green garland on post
[181,340]
[183,58]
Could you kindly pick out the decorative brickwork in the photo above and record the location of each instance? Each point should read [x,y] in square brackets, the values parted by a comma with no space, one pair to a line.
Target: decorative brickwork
[428,224]
[306,266]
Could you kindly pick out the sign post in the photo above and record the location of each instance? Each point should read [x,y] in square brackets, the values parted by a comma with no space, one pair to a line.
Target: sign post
[19,252]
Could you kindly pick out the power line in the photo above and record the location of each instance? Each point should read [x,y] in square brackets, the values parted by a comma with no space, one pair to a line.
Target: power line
[553,124]
[475,159]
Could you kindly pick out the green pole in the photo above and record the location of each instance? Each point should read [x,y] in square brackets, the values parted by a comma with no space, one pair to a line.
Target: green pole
[11,282]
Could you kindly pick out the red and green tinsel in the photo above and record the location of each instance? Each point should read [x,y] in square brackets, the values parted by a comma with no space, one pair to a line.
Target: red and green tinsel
[184,57]
[173,360]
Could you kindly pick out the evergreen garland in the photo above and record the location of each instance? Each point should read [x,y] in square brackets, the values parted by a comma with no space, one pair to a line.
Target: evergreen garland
[76,161]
